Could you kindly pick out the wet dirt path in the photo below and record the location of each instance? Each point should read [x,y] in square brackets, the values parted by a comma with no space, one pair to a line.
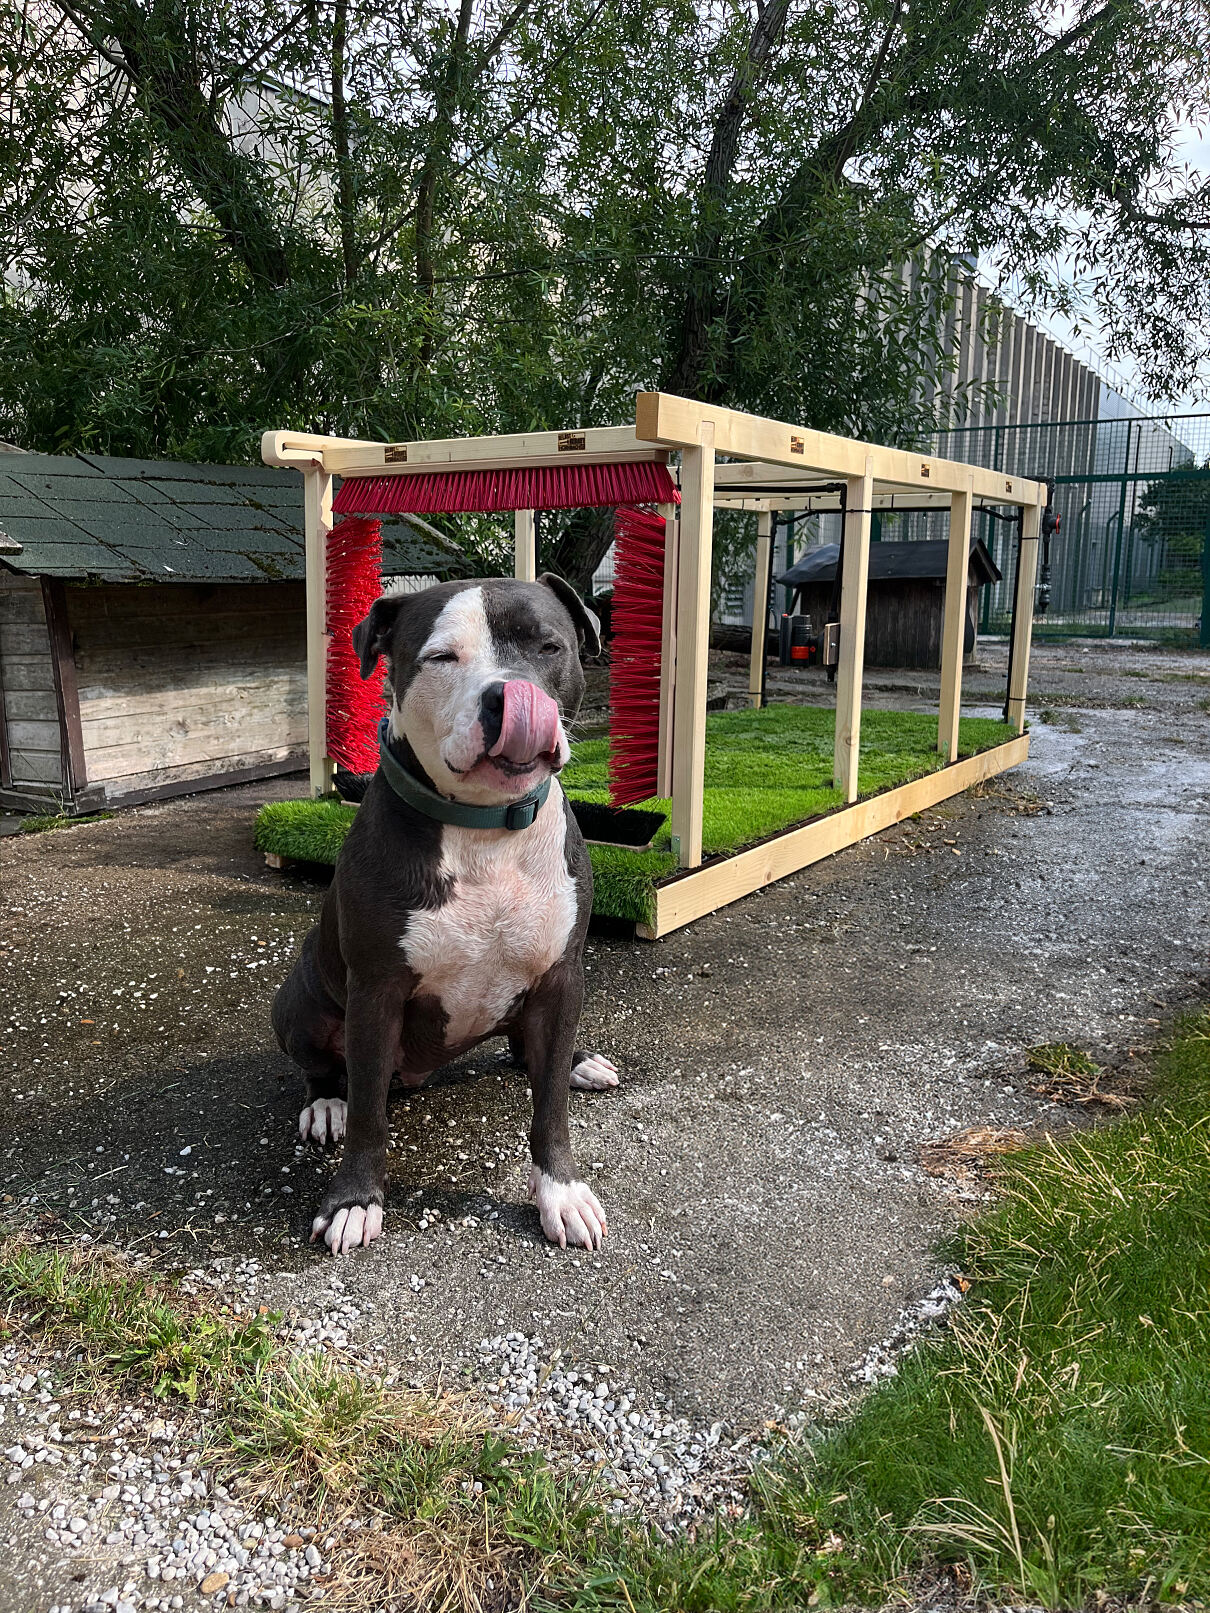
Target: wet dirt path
[783,1060]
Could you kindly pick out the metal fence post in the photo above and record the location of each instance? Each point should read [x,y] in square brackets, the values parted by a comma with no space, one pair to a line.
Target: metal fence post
[1117,553]
[1204,635]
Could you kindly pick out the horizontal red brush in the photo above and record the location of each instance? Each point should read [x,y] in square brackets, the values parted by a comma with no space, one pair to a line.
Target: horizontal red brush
[530,487]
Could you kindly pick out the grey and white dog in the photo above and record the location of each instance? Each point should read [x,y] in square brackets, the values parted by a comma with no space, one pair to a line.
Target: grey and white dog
[462,895]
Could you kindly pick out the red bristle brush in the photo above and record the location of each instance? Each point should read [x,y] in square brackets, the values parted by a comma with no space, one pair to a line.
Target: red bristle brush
[634,668]
[353,581]
[528,487]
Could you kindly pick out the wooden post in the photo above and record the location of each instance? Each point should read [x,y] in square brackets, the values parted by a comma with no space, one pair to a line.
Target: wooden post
[317,512]
[760,607]
[953,623]
[1027,573]
[67,691]
[525,547]
[692,647]
[859,503]
[672,537]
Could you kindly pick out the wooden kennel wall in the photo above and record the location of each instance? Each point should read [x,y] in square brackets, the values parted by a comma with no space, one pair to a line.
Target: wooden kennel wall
[739,461]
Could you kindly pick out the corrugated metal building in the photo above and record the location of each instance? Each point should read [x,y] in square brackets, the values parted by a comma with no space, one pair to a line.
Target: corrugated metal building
[152,626]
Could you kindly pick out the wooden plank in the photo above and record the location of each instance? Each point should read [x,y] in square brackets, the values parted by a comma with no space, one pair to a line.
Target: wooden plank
[525,546]
[672,551]
[846,749]
[594,445]
[1027,575]
[54,597]
[6,769]
[36,736]
[37,767]
[160,787]
[677,422]
[760,607]
[26,642]
[691,897]
[317,516]
[30,705]
[692,648]
[271,692]
[953,623]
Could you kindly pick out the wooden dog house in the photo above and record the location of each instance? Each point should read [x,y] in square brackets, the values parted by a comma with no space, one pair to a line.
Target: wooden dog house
[905,605]
[725,459]
[153,627]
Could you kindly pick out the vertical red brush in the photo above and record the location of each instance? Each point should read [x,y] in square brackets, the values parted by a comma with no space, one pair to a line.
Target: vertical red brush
[634,668]
[352,583]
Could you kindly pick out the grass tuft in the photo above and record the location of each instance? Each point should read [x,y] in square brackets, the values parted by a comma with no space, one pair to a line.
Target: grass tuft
[44,822]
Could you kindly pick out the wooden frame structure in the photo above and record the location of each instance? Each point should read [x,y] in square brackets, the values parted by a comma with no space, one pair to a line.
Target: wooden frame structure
[728,460]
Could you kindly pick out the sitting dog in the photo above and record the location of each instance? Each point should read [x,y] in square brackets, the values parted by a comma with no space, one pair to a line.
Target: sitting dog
[462,895]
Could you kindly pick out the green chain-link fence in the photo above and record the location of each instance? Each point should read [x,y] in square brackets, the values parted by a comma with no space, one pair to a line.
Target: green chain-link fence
[1132,554]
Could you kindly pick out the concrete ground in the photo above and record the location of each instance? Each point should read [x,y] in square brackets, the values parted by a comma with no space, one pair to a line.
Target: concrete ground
[783,1060]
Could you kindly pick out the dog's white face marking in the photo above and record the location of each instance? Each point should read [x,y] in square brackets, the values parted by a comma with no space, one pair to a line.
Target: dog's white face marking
[508,919]
[440,714]
[569,1211]
[323,1121]
[594,1073]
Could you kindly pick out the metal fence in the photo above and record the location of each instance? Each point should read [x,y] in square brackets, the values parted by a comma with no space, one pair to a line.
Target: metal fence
[1132,554]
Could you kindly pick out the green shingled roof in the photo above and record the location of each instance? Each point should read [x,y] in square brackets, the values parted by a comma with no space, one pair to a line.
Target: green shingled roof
[141,520]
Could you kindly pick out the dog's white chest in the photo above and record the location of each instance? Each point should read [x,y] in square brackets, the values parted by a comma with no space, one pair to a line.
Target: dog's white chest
[508,919]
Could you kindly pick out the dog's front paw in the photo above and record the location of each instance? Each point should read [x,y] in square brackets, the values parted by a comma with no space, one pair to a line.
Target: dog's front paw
[323,1121]
[569,1211]
[593,1072]
[352,1226]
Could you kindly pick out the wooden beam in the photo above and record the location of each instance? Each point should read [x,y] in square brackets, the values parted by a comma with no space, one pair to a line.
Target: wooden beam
[953,623]
[525,546]
[677,422]
[595,445]
[6,769]
[693,895]
[760,607]
[856,571]
[317,516]
[1027,575]
[692,647]
[67,692]
[297,449]
[672,550]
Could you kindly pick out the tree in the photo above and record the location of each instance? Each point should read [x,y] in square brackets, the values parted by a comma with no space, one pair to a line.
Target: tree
[466,215]
[1174,518]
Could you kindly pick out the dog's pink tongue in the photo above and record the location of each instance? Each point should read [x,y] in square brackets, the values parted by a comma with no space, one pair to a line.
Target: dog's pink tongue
[529,727]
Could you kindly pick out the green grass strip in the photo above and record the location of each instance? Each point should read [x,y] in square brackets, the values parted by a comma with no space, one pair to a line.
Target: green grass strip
[765,771]
[1051,1445]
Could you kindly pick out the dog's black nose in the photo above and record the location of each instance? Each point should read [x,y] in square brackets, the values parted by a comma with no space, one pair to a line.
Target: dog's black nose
[491,713]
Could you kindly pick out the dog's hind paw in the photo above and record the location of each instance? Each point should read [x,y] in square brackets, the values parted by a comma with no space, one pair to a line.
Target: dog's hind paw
[323,1121]
[593,1072]
[569,1211]
[353,1226]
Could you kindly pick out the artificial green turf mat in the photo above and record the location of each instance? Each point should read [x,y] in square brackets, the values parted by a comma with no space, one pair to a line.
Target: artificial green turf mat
[765,771]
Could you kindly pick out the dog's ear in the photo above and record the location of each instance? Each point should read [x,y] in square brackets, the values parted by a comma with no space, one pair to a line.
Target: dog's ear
[588,628]
[372,635]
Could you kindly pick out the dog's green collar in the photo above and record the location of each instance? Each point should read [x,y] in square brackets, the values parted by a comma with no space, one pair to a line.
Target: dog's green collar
[514,815]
